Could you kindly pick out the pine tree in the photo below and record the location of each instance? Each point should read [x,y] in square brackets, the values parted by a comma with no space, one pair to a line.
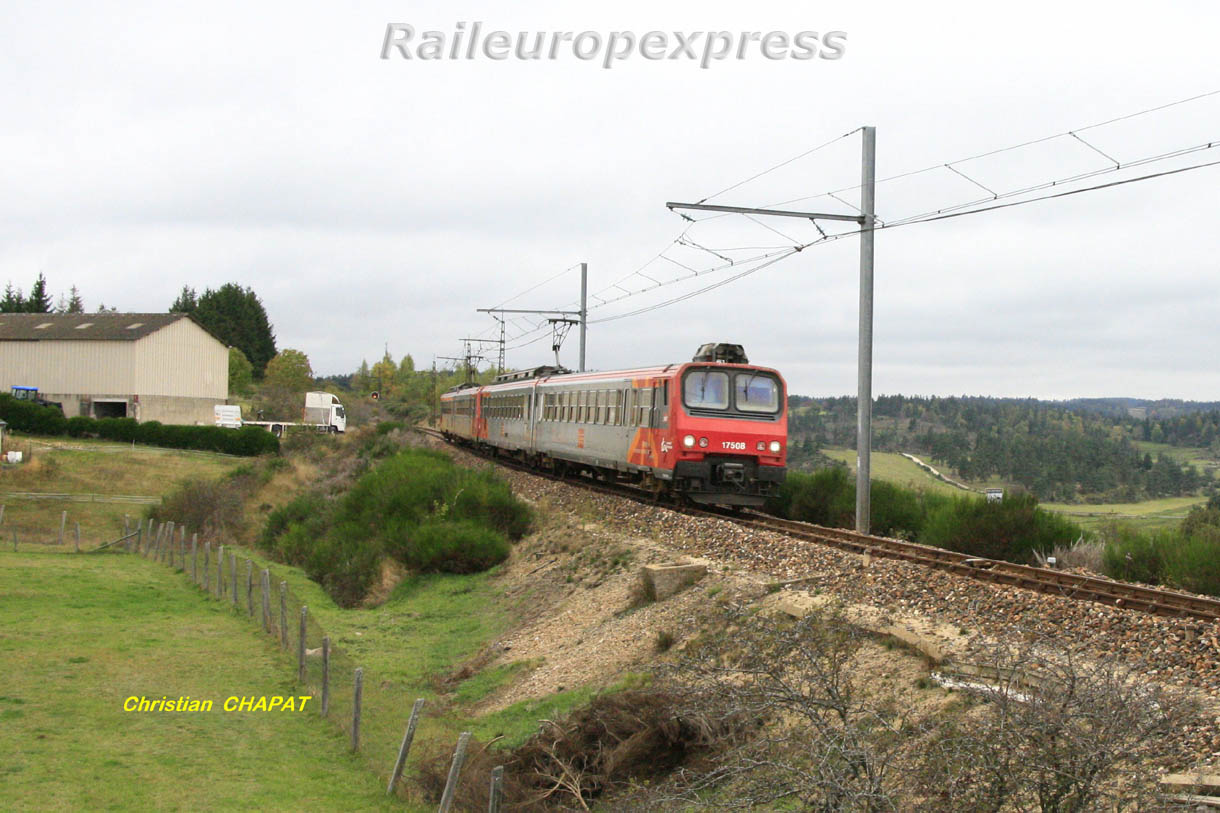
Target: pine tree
[13,301]
[186,302]
[39,301]
[75,303]
[236,316]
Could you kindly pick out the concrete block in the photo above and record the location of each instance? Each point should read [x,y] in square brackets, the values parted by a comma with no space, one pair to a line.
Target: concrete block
[667,578]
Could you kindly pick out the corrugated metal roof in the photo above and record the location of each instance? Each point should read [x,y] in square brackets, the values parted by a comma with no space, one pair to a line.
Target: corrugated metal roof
[97,327]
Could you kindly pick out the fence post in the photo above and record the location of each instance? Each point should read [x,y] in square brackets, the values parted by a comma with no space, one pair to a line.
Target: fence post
[195,558]
[63,520]
[169,543]
[220,571]
[497,789]
[126,522]
[301,645]
[250,587]
[325,674]
[284,614]
[403,749]
[266,585]
[207,567]
[1,514]
[455,772]
[149,535]
[78,537]
[233,568]
[359,690]
[182,547]
[14,540]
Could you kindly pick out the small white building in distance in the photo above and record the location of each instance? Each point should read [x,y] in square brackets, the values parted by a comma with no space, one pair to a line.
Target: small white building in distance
[148,366]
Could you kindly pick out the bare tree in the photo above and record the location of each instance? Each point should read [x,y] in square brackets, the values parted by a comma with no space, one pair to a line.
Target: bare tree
[1057,731]
[816,739]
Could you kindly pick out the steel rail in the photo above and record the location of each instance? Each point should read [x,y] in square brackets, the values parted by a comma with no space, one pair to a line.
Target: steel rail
[1124,595]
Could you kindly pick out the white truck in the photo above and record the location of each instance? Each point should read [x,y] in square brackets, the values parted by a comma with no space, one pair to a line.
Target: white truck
[322,412]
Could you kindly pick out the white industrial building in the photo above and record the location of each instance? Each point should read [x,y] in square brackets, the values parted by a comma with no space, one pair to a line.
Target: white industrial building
[148,366]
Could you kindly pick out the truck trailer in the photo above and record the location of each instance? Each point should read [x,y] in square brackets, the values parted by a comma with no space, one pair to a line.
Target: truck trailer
[322,413]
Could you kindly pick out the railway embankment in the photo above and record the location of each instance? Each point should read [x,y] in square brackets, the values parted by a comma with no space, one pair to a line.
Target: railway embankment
[955,616]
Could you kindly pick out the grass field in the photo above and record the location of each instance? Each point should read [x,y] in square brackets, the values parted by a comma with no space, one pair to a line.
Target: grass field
[1202,459]
[80,633]
[1147,515]
[897,469]
[77,466]
[427,629]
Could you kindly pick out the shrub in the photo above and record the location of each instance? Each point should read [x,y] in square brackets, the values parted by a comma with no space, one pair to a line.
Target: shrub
[122,430]
[1133,556]
[451,547]
[484,497]
[895,511]
[415,506]
[825,497]
[82,426]
[1193,563]
[26,416]
[1011,529]
[386,427]
[23,416]
[203,506]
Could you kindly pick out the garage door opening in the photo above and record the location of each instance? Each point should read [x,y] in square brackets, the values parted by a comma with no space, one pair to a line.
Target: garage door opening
[110,409]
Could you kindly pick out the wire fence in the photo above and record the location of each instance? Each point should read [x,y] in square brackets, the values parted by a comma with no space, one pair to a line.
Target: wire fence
[15,534]
[378,718]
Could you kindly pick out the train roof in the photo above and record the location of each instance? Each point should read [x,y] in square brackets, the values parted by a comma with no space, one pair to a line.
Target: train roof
[608,375]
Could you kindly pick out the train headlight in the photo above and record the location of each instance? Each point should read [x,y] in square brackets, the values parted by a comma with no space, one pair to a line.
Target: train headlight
[775,447]
[702,443]
[688,441]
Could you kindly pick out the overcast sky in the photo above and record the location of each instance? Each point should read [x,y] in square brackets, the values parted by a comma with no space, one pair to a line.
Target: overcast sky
[374,203]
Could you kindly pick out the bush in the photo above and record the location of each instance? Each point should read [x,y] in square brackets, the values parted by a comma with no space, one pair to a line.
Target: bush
[23,416]
[122,430]
[452,547]
[386,427]
[825,497]
[1133,556]
[26,416]
[895,511]
[204,506]
[82,427]
[1194,562]
[1011,529]
[415,506]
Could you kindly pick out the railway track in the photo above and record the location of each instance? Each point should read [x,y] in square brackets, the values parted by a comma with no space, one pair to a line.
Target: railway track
[1168,603]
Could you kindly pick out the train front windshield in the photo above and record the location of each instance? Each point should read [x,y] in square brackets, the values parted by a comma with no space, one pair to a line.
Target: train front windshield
[722,391]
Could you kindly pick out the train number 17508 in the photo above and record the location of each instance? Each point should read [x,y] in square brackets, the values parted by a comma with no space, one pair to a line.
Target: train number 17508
[739,445]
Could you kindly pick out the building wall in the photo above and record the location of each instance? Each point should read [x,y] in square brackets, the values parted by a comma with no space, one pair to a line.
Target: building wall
[176,409]
[181,359]
[174,375]
[68,367]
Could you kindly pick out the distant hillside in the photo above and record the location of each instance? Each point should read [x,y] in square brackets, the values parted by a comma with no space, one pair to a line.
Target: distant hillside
[1138,408]
[1082,450]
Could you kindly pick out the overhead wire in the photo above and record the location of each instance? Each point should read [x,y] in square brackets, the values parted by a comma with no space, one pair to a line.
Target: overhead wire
[776,254]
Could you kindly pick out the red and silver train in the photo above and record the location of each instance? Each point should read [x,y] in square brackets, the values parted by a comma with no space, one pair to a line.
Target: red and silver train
[714,430]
